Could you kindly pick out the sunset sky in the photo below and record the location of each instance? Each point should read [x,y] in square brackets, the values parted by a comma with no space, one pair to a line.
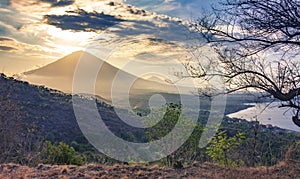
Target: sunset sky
[34,33]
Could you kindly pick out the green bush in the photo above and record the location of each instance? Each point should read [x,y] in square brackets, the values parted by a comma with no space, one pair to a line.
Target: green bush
[61,154]
[188,151]
[222,149]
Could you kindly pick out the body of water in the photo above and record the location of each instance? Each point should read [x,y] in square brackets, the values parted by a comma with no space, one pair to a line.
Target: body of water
[265,114]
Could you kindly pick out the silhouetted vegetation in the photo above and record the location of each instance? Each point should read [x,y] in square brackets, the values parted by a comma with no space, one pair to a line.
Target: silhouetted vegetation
[256,43]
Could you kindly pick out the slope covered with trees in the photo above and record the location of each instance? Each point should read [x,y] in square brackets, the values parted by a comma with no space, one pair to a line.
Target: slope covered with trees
[38,126]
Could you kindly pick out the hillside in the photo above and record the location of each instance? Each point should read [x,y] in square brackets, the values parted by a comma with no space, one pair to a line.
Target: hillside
[31,114]
[49,111]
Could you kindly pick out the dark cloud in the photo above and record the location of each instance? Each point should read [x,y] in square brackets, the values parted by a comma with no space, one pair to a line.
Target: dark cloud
[83,21]
[5,39]
[161,33]
[59,3]
[5,48]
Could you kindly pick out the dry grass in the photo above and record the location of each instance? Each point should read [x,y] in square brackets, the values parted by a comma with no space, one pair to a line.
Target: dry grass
[288,169]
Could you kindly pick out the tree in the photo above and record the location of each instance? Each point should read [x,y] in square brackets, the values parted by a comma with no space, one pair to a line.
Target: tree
[61,154]
[257,45]
[189,150]
[222,149]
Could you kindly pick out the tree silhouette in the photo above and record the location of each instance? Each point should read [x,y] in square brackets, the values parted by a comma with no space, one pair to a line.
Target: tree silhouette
[257,43]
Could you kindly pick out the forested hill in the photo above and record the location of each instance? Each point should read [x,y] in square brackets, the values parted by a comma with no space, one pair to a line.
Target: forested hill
[48,114]
[31,115]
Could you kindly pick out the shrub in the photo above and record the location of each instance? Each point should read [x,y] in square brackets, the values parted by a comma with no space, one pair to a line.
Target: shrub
[188,151]
[61,154]
[222,149]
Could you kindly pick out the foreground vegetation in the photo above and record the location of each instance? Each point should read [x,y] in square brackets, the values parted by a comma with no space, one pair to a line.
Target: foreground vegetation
[283,170]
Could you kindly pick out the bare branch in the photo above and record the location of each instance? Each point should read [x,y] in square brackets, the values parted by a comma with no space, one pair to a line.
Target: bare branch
[258,45]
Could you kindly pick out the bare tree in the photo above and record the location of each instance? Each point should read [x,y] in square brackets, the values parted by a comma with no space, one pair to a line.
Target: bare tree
[257,43]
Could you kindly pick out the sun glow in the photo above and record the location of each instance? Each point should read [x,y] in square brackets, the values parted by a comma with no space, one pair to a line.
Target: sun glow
[67,41]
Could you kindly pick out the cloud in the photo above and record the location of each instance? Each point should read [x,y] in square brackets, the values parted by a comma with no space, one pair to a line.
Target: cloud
[5,39]
[81,20]
[185,9]
[8,44]
[9,20]
[59,3]
[40,29]
[5,48]
[4,3]
[163,30]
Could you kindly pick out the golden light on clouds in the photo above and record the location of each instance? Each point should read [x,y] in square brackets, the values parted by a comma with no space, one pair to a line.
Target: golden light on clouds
[67,41]
[40,39]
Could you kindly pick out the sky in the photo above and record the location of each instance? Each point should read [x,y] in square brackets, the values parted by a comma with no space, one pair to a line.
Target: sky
[184,9]
[34,33]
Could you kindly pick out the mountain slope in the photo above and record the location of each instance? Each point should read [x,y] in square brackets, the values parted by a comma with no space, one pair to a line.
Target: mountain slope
[59,75]
[49,112]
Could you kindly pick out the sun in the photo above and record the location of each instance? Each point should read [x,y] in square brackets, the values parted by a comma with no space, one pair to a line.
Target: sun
[68,41]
